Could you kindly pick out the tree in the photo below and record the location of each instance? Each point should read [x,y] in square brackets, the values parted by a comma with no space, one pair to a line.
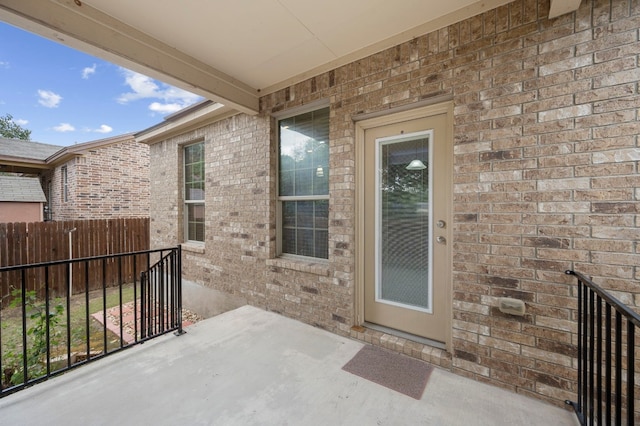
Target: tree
[12,130]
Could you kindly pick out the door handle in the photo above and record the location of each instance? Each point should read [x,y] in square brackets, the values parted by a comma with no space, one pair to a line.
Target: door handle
[441,224]
[441,240]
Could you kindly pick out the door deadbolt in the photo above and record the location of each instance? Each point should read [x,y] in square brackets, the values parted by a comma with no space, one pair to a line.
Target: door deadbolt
[441,240]
[441,224]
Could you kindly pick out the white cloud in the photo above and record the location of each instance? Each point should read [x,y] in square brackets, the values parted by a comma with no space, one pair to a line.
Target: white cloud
[21,121]
[49,99]
[142,86]
[104,129]
[169,99]
[4,65]
[165,108]
[87,71]
[64,127]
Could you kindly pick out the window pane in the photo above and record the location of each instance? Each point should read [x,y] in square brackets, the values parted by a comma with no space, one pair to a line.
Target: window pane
[289,214]
[287,163]
[286,182]
[321,214]
[305,214]
[194,162]
[321,180]
[289,241]
[322,244]
[193,153]
[307,233]
[195,222]
[403,223]
[304,148]
[305,242]
[188,172]
[194,191]
[304,182]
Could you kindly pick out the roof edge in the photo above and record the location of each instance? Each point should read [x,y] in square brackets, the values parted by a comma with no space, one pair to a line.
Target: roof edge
[78,149]
[204,112]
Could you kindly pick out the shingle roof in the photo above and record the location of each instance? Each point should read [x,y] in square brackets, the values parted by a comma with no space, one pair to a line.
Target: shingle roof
[27,149]
[21,189]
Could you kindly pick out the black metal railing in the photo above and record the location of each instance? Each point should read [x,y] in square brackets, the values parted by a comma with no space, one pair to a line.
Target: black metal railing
[104,304]
[606,357]
[161,298]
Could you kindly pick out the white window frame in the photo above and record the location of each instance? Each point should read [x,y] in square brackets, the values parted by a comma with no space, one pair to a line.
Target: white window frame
[186,202]
[313,106]
[65,184]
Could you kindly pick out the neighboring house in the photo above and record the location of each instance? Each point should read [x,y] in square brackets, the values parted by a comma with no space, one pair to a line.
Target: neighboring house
[101,179]
[472,155]
[26,157]
[21,199]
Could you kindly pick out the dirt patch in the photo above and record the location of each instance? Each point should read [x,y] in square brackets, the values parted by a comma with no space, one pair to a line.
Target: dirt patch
[131,322]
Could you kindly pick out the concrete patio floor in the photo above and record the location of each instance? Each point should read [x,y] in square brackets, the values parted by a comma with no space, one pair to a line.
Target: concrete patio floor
[251,367]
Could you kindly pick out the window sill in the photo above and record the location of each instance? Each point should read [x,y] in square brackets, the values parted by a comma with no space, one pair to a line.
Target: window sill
[193,247]
[317,267]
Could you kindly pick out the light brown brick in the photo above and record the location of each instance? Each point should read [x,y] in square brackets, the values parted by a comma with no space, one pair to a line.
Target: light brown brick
[545,128]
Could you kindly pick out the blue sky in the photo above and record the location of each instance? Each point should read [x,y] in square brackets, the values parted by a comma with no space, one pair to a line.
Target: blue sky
[65,96]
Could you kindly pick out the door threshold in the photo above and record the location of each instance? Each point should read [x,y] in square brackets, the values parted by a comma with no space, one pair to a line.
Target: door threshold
[408,336]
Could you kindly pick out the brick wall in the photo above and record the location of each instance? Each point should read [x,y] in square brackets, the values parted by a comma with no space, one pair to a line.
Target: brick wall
[106,181]
[239,209]
[546,179]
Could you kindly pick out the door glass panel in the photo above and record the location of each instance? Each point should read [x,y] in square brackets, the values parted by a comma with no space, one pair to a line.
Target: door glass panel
[403,221]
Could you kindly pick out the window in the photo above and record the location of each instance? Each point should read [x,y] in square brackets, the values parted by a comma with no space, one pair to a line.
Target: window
[194,192]
[47,207]
[303,184]
[65,185]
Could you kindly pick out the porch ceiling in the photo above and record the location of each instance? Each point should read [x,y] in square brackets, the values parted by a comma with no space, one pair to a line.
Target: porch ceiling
[234,51]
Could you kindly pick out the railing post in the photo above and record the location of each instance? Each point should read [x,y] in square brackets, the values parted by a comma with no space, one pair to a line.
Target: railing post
[578,406]
[161,274]
[134,274]
[599,357]
[143,295]
[67,291]
[47,308]
[602,349]
[607,373]
[592,350]
[120,306]
[618,403]
[630,372]
[25,358]
[178,286]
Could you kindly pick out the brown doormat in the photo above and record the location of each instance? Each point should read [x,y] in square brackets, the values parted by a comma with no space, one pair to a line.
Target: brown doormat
[392,370]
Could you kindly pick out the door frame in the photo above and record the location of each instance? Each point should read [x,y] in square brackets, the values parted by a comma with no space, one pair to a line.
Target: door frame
[392,118]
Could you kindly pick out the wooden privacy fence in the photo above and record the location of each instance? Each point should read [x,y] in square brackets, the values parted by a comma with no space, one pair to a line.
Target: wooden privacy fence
[29,243]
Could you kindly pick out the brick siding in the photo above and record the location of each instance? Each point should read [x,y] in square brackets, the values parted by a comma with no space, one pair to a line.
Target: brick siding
[546,179]
[108,181]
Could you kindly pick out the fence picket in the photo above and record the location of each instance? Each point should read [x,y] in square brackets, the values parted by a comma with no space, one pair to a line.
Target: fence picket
[4,277]
[22,243]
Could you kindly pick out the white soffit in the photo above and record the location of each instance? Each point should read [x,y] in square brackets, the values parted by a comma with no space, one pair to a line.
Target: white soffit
[235,51]
[267,42]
